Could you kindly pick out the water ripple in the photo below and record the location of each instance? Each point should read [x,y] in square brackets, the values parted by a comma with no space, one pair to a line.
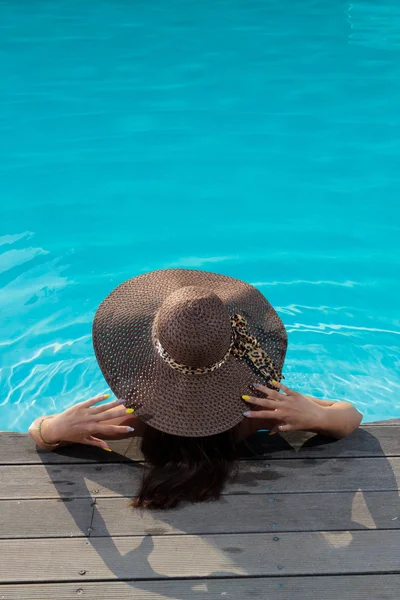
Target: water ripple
[14,258]
[330,328]
[349,284]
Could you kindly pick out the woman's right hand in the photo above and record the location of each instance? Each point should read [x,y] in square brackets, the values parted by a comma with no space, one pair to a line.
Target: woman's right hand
[81,423]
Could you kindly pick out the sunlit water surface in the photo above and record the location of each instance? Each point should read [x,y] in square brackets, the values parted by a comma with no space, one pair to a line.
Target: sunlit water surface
[255,138]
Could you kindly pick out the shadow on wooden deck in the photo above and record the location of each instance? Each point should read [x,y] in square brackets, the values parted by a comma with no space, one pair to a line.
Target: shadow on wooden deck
[301,510]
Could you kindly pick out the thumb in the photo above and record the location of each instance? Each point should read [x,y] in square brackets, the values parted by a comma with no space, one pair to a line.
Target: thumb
[93,441]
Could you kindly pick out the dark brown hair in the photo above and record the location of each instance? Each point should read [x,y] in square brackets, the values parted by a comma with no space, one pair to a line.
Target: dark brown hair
[184,469]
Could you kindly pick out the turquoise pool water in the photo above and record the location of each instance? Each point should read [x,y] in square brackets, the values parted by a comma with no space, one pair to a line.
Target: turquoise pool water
[255,138]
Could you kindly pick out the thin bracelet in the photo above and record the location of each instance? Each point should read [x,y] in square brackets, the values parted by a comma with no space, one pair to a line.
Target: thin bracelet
[41,437]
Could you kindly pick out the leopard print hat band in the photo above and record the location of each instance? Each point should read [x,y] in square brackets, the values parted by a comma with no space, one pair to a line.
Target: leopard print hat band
[242,346]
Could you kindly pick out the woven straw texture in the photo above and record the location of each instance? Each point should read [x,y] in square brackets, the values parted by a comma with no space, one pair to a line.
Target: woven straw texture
[189,313]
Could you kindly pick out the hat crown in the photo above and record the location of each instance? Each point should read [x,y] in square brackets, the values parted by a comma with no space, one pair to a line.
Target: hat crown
[193,326]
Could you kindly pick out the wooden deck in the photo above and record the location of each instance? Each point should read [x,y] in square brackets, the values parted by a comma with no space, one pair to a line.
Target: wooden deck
[306,518]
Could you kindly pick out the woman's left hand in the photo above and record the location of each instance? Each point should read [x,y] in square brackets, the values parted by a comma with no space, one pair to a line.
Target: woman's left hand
[83,422]
[292,410]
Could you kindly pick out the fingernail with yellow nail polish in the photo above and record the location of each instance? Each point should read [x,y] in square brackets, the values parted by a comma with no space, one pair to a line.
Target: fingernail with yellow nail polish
[107,449]
[247,398]
[129,411]
[272,433]
[274,382]
[105,396]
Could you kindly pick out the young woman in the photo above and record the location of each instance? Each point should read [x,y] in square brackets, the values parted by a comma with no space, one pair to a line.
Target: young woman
[195,359]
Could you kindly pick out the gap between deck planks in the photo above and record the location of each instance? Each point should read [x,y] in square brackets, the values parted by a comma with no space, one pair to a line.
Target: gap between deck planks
[258,514]
[355,587]
[187,556]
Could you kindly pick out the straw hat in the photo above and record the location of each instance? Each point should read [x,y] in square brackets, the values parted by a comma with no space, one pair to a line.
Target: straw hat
[182,346]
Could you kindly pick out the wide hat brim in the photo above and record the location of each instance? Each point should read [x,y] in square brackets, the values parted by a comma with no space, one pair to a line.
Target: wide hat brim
[171,401]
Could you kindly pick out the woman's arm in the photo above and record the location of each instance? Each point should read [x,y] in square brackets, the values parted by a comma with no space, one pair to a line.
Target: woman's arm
[33,431]
[337,419]
[294,412]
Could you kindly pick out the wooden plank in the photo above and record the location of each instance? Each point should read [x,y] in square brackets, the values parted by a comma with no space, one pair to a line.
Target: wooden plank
[317,475]
[365,442]
[258,514]
[371,440]
[45,518]
[18,448]
[354,587]
[68,481]
[186,556]
[261,514]
[255,477]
